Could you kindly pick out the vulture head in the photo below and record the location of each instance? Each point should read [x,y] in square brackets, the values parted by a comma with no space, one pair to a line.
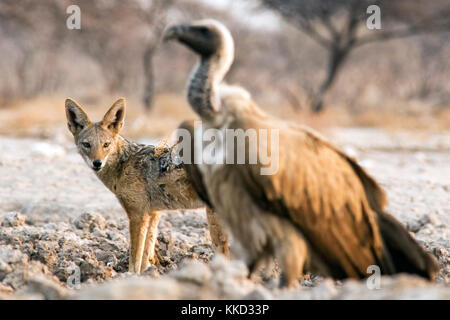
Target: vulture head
[207,38]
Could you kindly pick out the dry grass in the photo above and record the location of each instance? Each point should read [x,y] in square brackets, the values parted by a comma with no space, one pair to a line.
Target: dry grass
[427,120]
[41,116]
[165,116]
[387,118]
[29,117]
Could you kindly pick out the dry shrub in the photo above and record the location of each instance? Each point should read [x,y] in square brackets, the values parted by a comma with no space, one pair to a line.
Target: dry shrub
[168,112]
[43,116]
[25,117]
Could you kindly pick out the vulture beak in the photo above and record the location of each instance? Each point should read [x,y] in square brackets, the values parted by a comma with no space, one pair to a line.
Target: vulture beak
[175,32]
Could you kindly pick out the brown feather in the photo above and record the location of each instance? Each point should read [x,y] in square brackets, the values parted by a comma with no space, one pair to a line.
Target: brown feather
[335,206]
[320,211]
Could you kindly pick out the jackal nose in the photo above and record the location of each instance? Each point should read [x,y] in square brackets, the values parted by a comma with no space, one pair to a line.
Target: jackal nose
[97,164]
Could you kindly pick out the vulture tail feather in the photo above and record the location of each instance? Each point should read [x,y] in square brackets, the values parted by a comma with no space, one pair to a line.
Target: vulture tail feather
[406,254]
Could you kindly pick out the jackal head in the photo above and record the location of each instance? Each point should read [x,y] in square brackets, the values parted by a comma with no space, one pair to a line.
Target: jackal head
[96,141]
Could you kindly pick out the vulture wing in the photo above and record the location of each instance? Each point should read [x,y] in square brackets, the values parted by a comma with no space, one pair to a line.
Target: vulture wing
[317,189]
[333,202]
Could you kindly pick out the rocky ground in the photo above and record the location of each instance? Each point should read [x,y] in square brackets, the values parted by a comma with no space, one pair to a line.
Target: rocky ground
[64,235]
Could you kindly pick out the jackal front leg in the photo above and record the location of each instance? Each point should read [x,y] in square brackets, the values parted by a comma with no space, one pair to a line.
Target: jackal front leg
[218,236]
[149,256]
[138,234]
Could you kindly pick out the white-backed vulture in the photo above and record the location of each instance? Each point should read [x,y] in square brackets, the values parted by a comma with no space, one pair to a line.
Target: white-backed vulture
[320,212]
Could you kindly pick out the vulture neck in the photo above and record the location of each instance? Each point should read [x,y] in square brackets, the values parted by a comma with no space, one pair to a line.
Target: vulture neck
[205,78]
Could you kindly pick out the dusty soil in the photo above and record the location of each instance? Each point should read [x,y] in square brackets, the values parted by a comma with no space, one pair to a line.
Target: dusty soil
[64,235]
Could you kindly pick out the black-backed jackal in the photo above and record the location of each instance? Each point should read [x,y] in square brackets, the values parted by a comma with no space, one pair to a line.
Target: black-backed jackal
[143,178]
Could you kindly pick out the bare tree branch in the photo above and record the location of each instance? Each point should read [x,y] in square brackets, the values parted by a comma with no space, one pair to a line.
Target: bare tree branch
[310,16]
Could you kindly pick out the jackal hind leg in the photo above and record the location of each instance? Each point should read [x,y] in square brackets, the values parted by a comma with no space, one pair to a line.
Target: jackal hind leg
[138,234]
[218,236]
[149,256]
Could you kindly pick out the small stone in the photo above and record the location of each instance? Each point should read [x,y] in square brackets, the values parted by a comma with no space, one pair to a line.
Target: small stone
[414,226]
[51,225]
[108,258]
[234,269]
[112,225]
[50,289]
[70,237]
[13,219]
[440,252]
[151,271]
[4,269]
[433,219]
[99,233]
[5,288]
[89,221]
[9,255]
[325,290]
[258,294]
[219,262]
[116,237]
[193,271]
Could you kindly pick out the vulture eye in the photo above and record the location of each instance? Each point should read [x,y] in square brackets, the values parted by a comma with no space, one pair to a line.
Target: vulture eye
[87,145]
[106,145]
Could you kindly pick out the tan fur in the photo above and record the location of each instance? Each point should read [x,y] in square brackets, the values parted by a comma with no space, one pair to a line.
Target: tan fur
[143,178]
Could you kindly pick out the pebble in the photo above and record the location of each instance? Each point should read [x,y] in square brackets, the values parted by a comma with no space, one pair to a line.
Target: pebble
[194,271]
[89,221]
[13,219]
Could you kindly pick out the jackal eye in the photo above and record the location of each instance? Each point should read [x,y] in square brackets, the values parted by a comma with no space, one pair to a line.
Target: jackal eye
[106,145]
[87,145]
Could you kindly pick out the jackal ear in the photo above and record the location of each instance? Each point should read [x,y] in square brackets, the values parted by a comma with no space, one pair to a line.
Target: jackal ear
[77,119]
[114,118]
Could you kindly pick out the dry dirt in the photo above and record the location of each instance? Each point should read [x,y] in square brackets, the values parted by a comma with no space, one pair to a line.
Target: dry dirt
[64,235]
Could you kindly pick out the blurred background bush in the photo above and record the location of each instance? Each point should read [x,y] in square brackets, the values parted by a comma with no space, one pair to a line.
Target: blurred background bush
[312,61]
